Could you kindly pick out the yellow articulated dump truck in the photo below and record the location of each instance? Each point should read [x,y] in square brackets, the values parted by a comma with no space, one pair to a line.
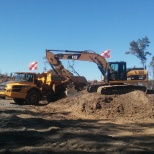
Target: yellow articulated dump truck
[30,88]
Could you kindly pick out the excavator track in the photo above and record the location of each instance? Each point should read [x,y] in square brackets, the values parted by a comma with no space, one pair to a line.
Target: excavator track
[119,89]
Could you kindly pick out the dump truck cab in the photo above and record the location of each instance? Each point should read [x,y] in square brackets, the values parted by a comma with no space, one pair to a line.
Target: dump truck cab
[25,77]
[20,86]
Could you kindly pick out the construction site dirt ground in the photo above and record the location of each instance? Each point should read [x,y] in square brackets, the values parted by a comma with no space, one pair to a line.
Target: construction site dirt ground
[81,123]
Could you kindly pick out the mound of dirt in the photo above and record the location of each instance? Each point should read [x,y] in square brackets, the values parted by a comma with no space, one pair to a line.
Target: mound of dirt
[135,106]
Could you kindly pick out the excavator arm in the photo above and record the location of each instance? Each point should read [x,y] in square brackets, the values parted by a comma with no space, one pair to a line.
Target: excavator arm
[68,78]
[57,66]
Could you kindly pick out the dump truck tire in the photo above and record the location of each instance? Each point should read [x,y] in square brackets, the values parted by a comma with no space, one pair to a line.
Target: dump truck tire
[33,97]
[19,100]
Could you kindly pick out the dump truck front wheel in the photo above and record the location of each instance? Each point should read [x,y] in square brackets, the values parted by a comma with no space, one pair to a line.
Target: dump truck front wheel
[33,97]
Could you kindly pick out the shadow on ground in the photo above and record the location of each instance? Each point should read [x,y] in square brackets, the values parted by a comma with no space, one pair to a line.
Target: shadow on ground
[33,134]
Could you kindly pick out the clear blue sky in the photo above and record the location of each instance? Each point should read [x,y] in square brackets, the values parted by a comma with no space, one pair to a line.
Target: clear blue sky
[29,27]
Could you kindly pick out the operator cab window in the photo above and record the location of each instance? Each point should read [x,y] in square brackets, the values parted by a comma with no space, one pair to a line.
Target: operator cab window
[113,72]
[20,77]
[29,77]
[114,68]
[117,71]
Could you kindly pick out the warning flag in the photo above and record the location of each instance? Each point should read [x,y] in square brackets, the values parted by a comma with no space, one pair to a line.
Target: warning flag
[33,65]
[106,54]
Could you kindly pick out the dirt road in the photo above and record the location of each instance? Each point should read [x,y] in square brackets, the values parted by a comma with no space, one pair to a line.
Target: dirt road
[85,123]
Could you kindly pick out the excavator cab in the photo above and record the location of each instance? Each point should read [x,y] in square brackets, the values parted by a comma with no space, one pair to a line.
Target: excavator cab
[117,71]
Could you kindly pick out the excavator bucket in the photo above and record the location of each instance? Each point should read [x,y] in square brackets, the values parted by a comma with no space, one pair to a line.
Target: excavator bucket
[78,83]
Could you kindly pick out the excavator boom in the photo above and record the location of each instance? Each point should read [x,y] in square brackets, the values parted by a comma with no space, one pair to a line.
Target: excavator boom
[80,55]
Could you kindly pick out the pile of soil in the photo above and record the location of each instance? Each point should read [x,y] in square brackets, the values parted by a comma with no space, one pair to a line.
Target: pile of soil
[135,106]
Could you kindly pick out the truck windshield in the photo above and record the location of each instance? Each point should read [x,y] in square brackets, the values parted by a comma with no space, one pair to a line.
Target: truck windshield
[20,77]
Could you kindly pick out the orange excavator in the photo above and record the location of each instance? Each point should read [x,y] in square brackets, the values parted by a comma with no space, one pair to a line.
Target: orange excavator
[117,78]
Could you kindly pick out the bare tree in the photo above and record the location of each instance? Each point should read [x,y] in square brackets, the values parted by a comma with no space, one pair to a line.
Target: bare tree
[138,49]
[72,68]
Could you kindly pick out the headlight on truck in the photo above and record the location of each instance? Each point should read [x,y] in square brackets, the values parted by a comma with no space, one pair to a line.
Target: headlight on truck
[8,87]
